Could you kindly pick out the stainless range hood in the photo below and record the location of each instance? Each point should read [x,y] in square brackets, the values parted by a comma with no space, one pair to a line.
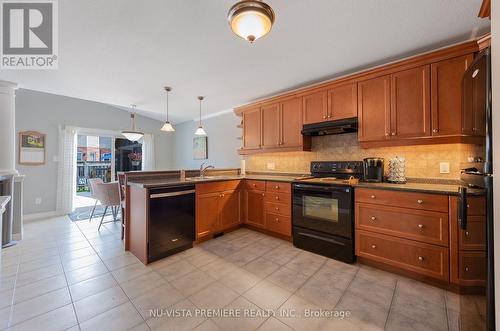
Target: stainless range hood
[333,127]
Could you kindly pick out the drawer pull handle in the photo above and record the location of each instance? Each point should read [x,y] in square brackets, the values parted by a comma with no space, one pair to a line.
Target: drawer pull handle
[466,268]
[420,226]
[372,196]
[467,233]
[373,218]
[420,201]
[174,240]
[373,246]
[277,187]
[420,258]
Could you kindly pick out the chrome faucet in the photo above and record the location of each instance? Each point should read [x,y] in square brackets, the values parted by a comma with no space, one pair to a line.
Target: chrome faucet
[203,169]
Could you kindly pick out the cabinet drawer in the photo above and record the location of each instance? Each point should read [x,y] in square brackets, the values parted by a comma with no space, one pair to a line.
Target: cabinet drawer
[278,208]
[472,267]
[213,187]
[426,226]
[255,185]
[414,200]
[278,187]
[476,206]
[424,259]
[279,224]
[474,238]
[283,198]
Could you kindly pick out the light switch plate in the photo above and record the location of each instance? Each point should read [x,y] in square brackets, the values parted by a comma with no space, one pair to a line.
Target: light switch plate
[38,201]
[271,166]
[444,167]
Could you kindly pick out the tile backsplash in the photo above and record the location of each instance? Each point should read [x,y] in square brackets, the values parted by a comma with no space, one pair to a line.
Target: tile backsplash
[422,161]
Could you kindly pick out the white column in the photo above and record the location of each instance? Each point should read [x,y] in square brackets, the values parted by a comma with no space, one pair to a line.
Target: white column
[8,126]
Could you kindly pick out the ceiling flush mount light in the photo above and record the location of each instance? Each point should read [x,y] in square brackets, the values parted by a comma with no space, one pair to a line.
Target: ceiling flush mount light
[251,19]
[200,131]
[167,127]
[133,135]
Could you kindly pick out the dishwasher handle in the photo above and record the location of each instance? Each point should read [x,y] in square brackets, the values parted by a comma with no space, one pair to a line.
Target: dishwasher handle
[170,194]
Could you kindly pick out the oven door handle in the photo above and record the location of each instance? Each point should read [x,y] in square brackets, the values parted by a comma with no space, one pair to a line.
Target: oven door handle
[333,241]
[304,187]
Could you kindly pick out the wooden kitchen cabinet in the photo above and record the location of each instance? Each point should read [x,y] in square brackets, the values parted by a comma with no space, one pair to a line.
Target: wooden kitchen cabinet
[252,129]
[315,107]
[217,211]
[374,109]
[271,126]
[255,208]
[343,102]
[474,103]
[291,123]
[446,96]
[410,103]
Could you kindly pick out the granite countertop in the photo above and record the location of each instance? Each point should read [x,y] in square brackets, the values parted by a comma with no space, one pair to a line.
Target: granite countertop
[165,182]
[3,202]
[448,189]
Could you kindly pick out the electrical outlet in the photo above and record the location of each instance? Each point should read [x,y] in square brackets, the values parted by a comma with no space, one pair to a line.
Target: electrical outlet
[38,201]
[444,167]
[271,166]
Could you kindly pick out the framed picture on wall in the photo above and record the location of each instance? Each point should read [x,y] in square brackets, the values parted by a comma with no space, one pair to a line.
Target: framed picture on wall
[31,148]
[200,148]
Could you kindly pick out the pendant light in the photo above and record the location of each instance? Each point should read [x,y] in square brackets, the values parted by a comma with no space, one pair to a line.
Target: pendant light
[251,19]
[200,131]
[167,127]
[133,135]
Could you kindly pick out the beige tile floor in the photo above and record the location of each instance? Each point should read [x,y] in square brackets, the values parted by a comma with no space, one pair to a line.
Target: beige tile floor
[69,276]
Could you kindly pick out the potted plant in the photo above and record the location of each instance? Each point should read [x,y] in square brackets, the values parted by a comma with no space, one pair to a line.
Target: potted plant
[135,159]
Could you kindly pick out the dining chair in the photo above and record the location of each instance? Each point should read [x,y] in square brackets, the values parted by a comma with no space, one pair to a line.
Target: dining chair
[108,195]
[92,182]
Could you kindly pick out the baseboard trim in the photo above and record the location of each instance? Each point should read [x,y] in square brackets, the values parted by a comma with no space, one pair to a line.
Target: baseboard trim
[38,216]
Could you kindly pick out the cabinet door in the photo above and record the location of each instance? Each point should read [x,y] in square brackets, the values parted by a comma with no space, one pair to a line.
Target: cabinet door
[252,129]
[291,123]
[374,107]
[271,137]
[207,214]
[229,209]
[255,208]
[446,96]
[315,107]
[343,102]
[410,109]
[479,100]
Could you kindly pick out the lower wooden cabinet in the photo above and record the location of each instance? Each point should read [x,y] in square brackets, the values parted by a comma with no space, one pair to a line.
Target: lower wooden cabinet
[255,208]
[217,211]
[472,268]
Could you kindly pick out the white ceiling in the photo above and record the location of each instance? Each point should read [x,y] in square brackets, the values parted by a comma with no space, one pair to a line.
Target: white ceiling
[124,52]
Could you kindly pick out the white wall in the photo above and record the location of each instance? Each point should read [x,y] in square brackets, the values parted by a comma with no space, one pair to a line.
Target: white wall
[495,51]
[222,142]
[45,112]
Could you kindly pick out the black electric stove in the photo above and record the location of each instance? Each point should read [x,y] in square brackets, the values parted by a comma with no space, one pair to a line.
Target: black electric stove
[323,209]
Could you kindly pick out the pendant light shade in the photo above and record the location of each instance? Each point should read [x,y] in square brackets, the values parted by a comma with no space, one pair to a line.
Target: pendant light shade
[251,19]
[200,131]
[133,135]
[167,127]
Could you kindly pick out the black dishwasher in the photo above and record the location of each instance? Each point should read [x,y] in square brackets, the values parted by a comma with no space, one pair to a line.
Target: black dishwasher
[171,226]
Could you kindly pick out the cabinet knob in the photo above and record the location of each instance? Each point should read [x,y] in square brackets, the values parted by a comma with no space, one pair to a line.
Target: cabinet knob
[277,219]
[420,226]
[277,187]
[373,218]
[474,129]
[466,268]
[263,194]
[420,201]
[277,198]
[435,130]
[420,258]
[276,208]
[467,233]
[373,246]
[254,185]
[387,134]
[324,116]
[393,133]
[372,196]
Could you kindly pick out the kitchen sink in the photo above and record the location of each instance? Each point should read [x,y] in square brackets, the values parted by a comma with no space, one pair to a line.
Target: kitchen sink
[208,178]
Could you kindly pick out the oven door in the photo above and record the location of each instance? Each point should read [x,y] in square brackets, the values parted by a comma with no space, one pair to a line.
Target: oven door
[326,209]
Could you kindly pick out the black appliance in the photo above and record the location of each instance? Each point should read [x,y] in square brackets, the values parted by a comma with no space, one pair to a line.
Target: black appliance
[373,169]
[331,127]
[476,93]
[171,227]
[323,210]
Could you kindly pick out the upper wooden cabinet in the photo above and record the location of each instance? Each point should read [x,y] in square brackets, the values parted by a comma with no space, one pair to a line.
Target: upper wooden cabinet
[446,96]
[343,102]
[410,103]
[474,103]
[374,109]
[291,123]
[315,107]
[252,128]
[271,132]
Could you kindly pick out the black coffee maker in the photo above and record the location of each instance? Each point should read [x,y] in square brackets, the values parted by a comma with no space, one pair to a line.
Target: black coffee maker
[373,169]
